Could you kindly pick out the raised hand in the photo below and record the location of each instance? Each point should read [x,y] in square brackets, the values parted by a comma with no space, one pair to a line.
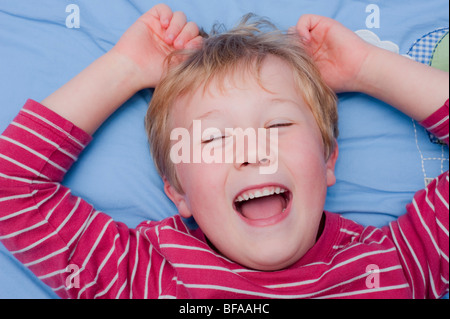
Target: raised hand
[338,52]
[348,63]
[152,37]
[134,63]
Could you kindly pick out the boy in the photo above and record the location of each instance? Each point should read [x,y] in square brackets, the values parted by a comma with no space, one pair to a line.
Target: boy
[260,235]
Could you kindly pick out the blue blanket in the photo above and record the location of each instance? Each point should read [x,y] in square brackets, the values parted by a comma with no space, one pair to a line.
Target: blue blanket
[385,157]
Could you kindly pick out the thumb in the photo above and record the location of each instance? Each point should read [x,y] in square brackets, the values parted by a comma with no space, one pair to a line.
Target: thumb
[294,31]
[195,43]
[305,25]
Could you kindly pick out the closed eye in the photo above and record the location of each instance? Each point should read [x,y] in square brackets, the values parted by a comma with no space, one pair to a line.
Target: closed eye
[277,125]
[213,138]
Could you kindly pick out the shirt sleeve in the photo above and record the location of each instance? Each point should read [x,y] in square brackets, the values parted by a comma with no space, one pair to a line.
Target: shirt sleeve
[77,251]
[421,235]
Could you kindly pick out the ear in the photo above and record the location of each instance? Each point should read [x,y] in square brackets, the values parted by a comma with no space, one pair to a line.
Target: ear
[178,199]
[331,164]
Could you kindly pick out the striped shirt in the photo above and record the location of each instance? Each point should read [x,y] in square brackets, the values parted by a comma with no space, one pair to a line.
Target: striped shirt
[82,253]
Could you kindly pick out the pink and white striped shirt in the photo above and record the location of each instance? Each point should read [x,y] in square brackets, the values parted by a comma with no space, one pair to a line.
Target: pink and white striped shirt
[53,232]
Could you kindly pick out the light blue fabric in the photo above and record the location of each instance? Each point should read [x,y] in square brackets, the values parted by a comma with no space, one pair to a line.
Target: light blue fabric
[384,156]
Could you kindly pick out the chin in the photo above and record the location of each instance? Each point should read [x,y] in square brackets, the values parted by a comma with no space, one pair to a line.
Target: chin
[272,261]
[262,266]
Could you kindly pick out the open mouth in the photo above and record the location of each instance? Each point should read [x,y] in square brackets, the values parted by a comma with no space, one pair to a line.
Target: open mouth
[262,203]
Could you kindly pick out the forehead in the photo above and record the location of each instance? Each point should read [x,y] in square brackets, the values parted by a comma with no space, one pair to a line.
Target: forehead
[273,78]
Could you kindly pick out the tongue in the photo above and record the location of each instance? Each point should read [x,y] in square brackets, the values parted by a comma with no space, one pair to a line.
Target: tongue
[263,207]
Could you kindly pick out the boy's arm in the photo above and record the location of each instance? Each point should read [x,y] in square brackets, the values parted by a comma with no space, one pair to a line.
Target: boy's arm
[422,235]
[414,88]
[41,222]
[349,64]
[77,251]
[134,63]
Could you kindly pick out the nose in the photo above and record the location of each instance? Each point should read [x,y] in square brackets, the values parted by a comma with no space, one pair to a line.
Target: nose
[261,152]
[265,161]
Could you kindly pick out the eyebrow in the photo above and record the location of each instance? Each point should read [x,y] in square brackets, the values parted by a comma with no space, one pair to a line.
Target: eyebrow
[207,114]
[204,116]
[283,100]
[271,102]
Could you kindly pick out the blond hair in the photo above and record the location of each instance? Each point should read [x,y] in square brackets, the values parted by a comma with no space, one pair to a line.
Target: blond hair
[223,53]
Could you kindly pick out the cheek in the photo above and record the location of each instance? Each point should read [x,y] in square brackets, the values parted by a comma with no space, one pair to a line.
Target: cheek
[303,157]
[202,183]
[199,173]
[303,151]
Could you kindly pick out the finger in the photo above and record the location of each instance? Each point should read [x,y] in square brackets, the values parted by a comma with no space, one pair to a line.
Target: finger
[292,30]
[161,12]
[304,26]
[176,25]
[189,32]
[195,43]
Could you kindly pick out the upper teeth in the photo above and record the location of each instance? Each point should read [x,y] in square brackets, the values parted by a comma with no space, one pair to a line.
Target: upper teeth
[256,193]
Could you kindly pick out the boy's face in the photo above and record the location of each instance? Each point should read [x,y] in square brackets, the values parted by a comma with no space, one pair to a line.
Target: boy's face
[274,231]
